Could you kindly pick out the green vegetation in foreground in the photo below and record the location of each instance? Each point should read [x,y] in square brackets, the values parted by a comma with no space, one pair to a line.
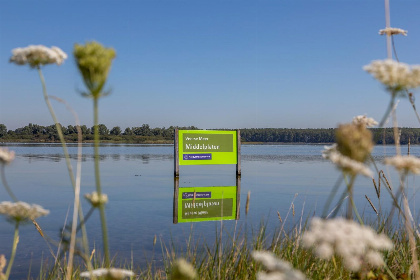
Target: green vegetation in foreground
[144,134]
[232,257]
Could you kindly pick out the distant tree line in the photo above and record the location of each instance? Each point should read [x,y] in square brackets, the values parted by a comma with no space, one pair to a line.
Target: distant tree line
[324,135]
[39,133]
[146,134]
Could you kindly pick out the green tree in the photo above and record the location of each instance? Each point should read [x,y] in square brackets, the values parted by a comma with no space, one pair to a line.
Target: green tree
[103,130]
[128,131]
[116,130]
[145,130]
[136,130]
[3,130]
[85,130]
[71,129]
[157,131]
[51,131]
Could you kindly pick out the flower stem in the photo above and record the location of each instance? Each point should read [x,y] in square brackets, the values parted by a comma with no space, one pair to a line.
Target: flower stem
[331,196]
[388,111]
[389,272]
[98,181]
[58,127]
[6,185]
[66,154]
[12,257]
[351,205]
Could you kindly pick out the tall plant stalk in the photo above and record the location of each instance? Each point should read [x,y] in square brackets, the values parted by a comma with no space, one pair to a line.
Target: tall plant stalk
[12,257]
[98,182]
[94,62]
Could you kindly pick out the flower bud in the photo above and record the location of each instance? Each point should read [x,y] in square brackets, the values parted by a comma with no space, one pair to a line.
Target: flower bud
[94,62]
[354,141]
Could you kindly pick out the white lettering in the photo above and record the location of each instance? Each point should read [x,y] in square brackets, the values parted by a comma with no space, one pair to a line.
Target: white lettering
[201,147]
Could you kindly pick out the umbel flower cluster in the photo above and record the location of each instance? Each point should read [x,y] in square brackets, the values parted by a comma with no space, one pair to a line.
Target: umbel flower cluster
[364,120]
[21,212]
[354,141]
[6,156]
[96,200]
[392,31]
[405,164]
[355,243]
[183,270]
[353,147]
[36,55]
[396,76]
[275,268]
[108,273]
[345,163]
[3,263]
[94,62]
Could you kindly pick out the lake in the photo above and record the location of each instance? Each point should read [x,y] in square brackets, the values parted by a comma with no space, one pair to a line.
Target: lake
[139,182]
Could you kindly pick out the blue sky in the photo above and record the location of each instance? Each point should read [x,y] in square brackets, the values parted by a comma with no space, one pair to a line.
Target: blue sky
[211,64]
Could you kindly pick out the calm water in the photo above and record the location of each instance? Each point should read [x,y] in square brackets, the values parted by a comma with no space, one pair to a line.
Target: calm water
[140,185]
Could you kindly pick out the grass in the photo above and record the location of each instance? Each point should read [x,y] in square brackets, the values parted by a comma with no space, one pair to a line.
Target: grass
[229,257]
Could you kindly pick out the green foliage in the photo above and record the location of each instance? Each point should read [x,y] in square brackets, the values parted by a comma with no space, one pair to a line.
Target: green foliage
[143,134]
[103,130]
[116,130]
[3,130]
[230,257]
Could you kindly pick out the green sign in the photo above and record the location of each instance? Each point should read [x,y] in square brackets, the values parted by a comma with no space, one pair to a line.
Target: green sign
[206,204]
[200,147]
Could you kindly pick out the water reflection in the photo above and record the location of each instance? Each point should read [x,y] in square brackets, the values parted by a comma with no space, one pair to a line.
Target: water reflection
[116,157]
[200,204]
[87,157]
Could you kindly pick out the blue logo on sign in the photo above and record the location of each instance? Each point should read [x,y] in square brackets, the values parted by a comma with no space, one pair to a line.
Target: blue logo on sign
[189,195]
[196,156]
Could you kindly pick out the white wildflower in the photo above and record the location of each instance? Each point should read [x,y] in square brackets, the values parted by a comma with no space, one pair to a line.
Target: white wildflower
[278,276]
[36,55]
[95,200]
[374,258]
[3,263]
[270,276]
[345,163]
[6,156]
[356,244]
[276,268]
[270,262]
[381,242]
[108,273]
[363,120]
[352,263]
[21,212]
[395,75]
[61,56]
[183,270]
[324,250]
[405,163]
[392,31]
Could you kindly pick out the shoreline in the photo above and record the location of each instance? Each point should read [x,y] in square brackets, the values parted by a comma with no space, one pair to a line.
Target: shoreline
[22,142]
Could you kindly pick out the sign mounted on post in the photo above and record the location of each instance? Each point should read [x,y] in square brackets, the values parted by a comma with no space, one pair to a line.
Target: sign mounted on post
[197,147]
[203,147]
